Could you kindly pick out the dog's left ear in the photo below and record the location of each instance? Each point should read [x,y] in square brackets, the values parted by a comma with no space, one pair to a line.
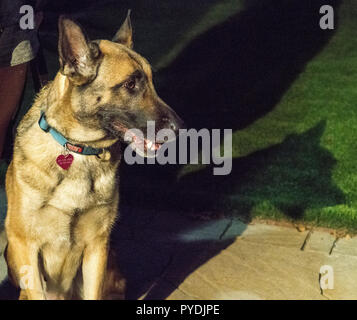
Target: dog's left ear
[79,58]
[125,34]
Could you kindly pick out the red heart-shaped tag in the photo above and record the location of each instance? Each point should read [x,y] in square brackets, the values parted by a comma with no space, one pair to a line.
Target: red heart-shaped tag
[64,161]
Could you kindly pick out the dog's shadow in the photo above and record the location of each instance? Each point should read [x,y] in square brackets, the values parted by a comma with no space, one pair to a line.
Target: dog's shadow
[229,77]
[238,71]
[157,250]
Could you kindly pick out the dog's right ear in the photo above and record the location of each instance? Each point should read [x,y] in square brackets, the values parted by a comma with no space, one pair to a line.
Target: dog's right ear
[125,33]
[79,58]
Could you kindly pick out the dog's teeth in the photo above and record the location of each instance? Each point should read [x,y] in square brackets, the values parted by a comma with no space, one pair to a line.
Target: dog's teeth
[149,144]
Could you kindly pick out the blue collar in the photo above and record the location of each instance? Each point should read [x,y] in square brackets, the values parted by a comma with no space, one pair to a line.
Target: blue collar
[88,151]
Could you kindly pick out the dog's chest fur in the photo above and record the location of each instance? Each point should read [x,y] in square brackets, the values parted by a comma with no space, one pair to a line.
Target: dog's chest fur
[61,210]
[90,183]
[58,201]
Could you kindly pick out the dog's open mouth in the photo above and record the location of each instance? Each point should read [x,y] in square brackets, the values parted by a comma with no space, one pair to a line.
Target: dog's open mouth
[138,143]
[143,143]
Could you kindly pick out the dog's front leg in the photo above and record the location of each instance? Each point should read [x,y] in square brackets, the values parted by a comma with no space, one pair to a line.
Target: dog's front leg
[94,269]
[22,259]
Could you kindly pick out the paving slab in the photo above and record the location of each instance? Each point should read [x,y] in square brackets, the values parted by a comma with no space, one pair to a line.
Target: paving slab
[263,271]
[168,227]
[346,247]
[272,235]
[320,241]
[266,262]
[345,277]
[170,256]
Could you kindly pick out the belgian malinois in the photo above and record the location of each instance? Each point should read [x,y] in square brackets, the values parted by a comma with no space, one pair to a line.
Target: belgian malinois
[62,183]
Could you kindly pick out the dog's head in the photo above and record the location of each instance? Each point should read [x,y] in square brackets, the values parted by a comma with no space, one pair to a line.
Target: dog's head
[109,88]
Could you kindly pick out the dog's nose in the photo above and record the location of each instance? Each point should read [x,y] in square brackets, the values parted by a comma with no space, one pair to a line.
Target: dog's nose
[174,124]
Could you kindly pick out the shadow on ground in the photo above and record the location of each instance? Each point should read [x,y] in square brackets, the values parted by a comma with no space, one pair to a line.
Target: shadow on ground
[166,248]
[157,250]
[237,72]
[229,77]
[292,176]
[8,291]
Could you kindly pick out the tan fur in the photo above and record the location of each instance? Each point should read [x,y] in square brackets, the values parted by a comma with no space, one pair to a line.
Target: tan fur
[59,221]
[54,220]
[54,214]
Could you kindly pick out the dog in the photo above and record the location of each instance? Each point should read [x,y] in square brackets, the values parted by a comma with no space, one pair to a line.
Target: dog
[62,184]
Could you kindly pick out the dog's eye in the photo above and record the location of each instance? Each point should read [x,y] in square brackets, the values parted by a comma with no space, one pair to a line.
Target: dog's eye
[130,84]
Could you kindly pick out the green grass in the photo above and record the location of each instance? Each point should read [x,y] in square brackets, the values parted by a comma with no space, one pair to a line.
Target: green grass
[312,129]
[287,89]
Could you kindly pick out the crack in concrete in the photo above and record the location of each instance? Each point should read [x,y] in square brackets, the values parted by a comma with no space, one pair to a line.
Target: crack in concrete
[306,239]
[333,245]
[183,291]
[322,293]
[228,226]
[161,275]
[322,290]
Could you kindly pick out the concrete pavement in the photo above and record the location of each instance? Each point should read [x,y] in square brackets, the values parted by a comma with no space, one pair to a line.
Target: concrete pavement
[167,256]
[171,256]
